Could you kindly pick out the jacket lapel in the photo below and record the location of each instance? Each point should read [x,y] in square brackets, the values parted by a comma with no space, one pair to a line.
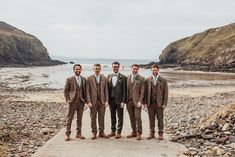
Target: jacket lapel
[101,80]
[110,79]
[83,83]
[150,81]
[128,82]
[94,81]
[74,82]
[158,80]
[136,78]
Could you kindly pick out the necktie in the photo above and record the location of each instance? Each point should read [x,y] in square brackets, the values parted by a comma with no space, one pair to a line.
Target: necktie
[132,78]
[154,80]
[79,81]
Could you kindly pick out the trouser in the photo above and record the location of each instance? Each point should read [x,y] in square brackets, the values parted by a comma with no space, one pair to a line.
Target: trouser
[116,109]
[78,106]
[156,112]
[135,117]
[99,109]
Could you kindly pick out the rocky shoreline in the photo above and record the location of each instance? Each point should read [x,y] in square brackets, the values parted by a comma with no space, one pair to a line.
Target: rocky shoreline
[27,125]
[205,125]
[50,63]
[194,67]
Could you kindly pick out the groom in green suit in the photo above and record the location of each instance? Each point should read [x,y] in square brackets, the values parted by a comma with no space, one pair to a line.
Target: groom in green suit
[117,99]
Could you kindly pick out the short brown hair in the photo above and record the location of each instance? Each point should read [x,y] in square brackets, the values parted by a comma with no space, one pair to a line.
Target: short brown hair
[155,66]
[97,65]
[135,65]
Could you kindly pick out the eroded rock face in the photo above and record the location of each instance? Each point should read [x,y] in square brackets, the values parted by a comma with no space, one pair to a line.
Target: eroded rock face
[20,48]
[212,50]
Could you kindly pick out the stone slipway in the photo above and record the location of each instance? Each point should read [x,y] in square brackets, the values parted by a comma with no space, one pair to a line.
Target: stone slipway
[57,147]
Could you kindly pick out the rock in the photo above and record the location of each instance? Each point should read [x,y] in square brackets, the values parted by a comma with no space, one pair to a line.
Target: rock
[208,137]
[232,145]
[20,147]
[222,140]
[45,131]
[192,148]
[208,144]
[220,152]
[227,133]
[232,139]
[228,154]
[23,154]
[208,153]
[226,127]
[193,153]
[215,148]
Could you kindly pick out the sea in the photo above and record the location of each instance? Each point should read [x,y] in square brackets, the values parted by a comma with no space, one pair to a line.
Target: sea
[55,76]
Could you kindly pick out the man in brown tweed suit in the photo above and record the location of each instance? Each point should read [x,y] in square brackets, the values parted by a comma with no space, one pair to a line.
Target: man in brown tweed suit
[75,96]
[135,98]
[97,100]
[156,100]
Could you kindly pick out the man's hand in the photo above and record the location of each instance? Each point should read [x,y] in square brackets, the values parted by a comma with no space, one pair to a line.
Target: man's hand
[163,106]
[89,105]
[122,105]
[139,104]
[106,104]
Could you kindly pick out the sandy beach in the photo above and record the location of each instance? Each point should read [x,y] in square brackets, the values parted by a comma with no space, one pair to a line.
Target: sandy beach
[33,109]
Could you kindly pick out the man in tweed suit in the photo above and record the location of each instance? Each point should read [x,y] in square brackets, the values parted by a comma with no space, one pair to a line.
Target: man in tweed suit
[75,96]
[135,98]
[156,96]
[97,100]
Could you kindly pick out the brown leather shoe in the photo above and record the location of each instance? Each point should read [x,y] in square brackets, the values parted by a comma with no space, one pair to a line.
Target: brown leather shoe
[111,134]
[80,136]
[133,134]
[160,136]
[151,136]
[67,138]
[102,135]
[94,136]
[118,136]
[138,136]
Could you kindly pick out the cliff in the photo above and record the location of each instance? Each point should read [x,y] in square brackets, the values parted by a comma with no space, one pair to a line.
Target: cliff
[211,50]
[18,48]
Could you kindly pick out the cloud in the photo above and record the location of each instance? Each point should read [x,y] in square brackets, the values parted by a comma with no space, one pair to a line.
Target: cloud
[66,27]
[111,28]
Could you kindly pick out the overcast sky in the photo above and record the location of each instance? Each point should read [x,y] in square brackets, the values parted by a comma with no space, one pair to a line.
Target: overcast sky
[131,29]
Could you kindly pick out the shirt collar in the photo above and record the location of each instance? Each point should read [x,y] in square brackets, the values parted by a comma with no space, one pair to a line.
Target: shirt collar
[97,75]
[115,74]
[155,76]
[77,76]
[134,75]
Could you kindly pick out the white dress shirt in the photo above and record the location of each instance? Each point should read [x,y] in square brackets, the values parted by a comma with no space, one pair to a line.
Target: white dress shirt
[133,77]
[97,78]
[155,78]
[114,79]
